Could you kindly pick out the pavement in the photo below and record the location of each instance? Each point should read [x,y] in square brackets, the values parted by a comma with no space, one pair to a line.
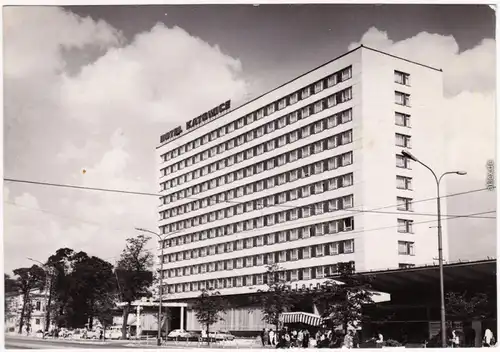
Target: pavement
[28,342]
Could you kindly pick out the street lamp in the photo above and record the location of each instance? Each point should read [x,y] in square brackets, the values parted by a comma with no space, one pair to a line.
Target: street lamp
[408,155]
[158,339]
[47,303]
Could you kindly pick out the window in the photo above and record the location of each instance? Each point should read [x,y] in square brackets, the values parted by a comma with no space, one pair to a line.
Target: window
[334,248]
[347,159]
[404,204]
[38,306]
[406,265]
[306,253]
[402,78]
[347,137]
[405,226]
[348,246]
[402,162]
[294,275]
[402,98]
[406,248]
[403,182]
[402,119]
[403,140]
[294,254]
[320,272]
[37,321]
[306,274]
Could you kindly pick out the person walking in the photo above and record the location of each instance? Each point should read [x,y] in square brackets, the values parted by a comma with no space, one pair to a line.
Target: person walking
[488,339]
[272,338]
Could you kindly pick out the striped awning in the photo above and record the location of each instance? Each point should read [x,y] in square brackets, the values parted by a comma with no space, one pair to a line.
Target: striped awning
[301,317]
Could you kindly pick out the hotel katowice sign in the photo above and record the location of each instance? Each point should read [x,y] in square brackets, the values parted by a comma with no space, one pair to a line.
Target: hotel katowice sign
[197,121]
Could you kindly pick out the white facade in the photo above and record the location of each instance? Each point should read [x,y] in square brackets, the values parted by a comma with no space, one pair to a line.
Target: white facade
[38,314]
[324,192]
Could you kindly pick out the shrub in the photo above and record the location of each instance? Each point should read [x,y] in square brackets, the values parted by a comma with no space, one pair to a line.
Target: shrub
[392,343]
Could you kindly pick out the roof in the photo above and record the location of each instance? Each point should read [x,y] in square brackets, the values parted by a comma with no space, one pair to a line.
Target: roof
[458,274]
[296,78]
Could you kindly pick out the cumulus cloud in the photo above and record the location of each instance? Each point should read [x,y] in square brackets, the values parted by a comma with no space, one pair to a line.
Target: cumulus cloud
[469,127]
[167,71]
[68,109]
[472,70]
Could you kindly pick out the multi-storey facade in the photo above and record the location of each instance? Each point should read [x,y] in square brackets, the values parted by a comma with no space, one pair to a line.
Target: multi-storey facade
[306,176]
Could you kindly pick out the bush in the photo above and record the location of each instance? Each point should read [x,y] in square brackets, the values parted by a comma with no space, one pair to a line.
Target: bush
[392,343]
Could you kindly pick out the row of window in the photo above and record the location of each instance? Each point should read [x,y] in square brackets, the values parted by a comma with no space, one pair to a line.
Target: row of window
[320,229]
[259,203]
[316,272]
[288,255]
[278,142]
[302,172]
[295,213]
[314,108]
[290,156]
[304,93]
[270,200]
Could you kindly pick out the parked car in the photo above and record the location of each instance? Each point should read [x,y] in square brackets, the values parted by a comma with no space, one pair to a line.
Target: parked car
[182,335]
[76,334]
[221,335]
[115,333]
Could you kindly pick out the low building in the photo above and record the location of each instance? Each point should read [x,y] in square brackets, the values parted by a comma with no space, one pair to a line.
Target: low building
[38,312]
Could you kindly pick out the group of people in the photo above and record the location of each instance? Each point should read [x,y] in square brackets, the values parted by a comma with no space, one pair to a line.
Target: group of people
[302,338]
[286,338]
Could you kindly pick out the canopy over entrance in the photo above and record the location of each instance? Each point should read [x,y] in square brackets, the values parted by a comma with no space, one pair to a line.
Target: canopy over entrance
[301,317]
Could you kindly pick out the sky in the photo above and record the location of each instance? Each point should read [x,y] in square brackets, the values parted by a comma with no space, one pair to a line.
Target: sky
[88,91]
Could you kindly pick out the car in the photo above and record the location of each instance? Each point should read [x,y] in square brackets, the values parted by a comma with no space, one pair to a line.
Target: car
[115,333]
[221,335]
[180,334]
[76,334]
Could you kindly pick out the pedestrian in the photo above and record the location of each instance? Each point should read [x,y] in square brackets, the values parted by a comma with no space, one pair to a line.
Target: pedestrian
[379,340]
[348,339]
[488,339]
[305,340]
[272,336]
[300,338]
[263,337]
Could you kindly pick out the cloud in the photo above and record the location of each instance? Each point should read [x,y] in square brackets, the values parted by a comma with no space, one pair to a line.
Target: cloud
[469,128]
[79,96]
[170,75]
[472,70]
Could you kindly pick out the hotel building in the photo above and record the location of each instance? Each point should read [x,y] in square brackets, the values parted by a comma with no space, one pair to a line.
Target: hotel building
[307,175]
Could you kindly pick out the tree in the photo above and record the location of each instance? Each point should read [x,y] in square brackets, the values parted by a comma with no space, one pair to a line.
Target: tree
[468,306]
[134,275]
[341,301]
[11,289]
[208,307]
[277,298]
[28,279]
[77,283]
[92,282]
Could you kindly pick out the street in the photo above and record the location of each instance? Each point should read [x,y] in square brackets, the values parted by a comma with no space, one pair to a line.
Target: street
[23,342]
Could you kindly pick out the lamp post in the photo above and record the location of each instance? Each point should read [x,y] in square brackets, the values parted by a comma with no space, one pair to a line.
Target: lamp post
[408,155]
[47,303]
[158,339]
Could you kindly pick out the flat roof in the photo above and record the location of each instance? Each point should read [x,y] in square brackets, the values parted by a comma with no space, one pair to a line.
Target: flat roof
[469,273]
[296,78]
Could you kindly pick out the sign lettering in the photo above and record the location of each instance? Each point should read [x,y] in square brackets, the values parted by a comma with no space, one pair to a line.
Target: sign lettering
[219,109]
